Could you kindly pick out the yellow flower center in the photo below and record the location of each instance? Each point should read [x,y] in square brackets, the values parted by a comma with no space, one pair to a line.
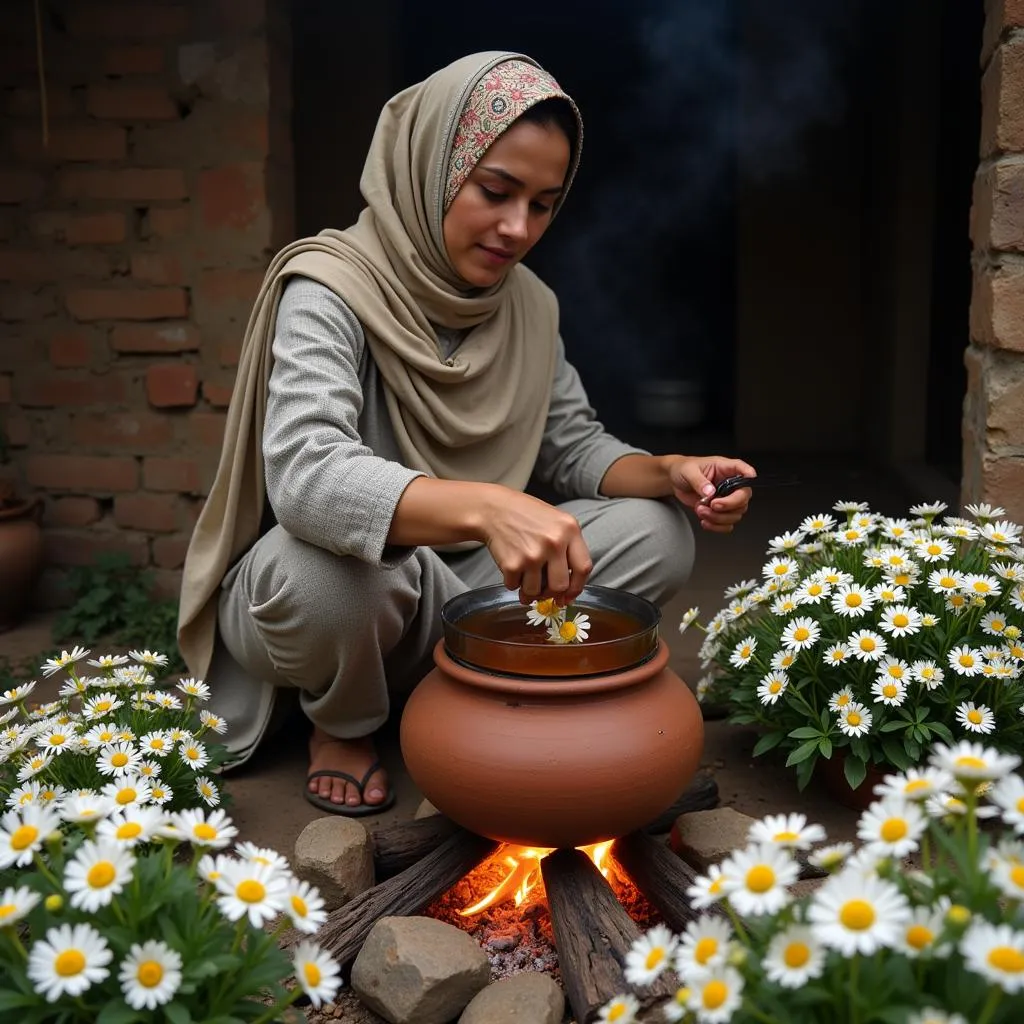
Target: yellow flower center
[975,763]
[853,719]
[934,549]
[150,973]
[715,993]
[192,754]
[23,837]
[899,621]
[1007,959]
[6,909]
[915,786]
[852,534]
[997,625]
[312,973]
[801,633]
[654,957]
[1020,805]
[250,891]
[119,760]
[205,831]
[918,936]
[781,570]
[129,830]
[796,954]
[705,950]
[893,830]
[815,589]
[854,600]
[69,963]
[1017,875]
[101,874]
[857,915]
[974,716]
[57,739]
[958,914]
[890,690]
[843,699]
[980,587]
[299,906]
[895,672]
[156,743]
[786,837]
[867,644]
[126,796]
[967,660]
[948,582]
[547,606]
[102,705]
[717,885]
[760,878]
[774,686]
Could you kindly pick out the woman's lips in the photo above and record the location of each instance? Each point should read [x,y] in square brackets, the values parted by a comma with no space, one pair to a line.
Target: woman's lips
[497,255]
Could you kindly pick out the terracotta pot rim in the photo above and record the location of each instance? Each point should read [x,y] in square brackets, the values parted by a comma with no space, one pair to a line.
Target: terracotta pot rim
[556,686]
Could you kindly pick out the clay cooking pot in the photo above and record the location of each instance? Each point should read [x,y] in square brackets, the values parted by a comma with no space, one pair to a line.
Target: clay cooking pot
[517,746]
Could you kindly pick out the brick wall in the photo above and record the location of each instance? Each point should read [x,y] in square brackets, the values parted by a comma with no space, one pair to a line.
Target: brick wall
[131,247]
[993,425]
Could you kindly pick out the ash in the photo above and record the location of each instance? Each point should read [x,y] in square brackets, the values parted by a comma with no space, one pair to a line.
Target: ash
[519,938]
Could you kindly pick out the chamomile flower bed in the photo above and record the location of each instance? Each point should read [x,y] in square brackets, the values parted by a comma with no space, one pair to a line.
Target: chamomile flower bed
[100,920]
[875,944]
[870,637]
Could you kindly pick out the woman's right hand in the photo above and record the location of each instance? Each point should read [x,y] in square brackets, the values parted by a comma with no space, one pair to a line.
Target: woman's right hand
[539,549]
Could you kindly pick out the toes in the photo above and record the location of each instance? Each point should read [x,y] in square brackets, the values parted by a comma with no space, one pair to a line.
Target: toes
[376,788]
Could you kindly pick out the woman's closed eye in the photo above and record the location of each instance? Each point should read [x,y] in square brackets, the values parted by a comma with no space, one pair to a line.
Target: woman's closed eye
[499,197]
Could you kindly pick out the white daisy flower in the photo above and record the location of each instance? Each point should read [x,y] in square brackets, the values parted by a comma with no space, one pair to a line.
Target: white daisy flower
[16,904]
[85,807]
[304,906]
[17,694]
[784,604]
[811,591]
[213,722]
[704,945]
[1003,532]
[708,889]
[892,826]
[866,645]
[739,589]
[716,995]
[900,620]
[108,661]
[676,1009]
[53,665]
[179,735]
[1008,794]
[69,960]
[895,669]
[194,688]
[23,832]
[1013,572]
[841,699]
[201,829]
[855,719]
[73,687]
[801,633]
[319,976]
[888,593]
[857,914]
[889,691]
[207,790]
[574,630]
[851,507]
[983,511]
[743,652]
[928,510]
[772,687]
[927,673]
[782,660]
[194,755]
[945,580]
[150,974]
[255,891]
[829,858]
[919,935]
[250,852]
[915,784]
[932,1016]
[851,535]
[101,705]
[964,660]
[102,734]
[976,717]
[33,765]
[128,789]
[132,825]
[970,763]
[788,541]
[933,549]
[211,866]
[148,769]
[25,794]
[794,957]
[1008,877]
[852,600]
[820,523]
[757,878]
[167,701]
[98,871]
[994,623]
[157,743]
[688,619]
[996,952]
[150,658]
[836,654]
[547,612]
[118,759]
[160,792]
[649,955]
[788,830]
[781,568]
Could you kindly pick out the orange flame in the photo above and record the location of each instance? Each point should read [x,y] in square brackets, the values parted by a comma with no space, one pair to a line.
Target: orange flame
[524,875]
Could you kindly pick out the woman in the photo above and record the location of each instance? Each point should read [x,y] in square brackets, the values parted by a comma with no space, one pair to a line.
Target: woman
[400,384]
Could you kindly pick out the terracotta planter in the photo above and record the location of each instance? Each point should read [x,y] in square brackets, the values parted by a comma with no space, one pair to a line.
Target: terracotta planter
[21,559]
[833,777]
[554,760]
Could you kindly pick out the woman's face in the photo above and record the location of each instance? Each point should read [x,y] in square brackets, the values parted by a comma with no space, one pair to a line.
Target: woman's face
[505,204]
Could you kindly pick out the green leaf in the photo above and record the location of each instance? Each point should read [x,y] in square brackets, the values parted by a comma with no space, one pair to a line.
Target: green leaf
[13,1000]
[177,1013]
[855,770]
[825,747]
[942,731]
[804,771]
[893,726]
[118,1012]
[896,754]
[805,732]
[804,751]
[768,742]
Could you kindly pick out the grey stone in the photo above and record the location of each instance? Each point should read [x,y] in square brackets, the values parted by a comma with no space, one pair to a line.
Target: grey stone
[703,838]
[415,970]
[526,998]
[336,855]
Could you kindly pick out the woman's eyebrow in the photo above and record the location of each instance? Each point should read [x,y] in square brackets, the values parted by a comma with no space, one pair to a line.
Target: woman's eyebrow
[513,180]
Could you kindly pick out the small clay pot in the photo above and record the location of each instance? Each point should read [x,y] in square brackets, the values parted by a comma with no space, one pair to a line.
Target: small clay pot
[21,559]
[833,777]
[552,761]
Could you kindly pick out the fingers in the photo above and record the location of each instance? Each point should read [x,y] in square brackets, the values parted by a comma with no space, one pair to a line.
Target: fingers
[580,566]
[722,514]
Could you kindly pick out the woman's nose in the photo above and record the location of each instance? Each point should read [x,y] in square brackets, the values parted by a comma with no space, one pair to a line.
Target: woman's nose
[514,224]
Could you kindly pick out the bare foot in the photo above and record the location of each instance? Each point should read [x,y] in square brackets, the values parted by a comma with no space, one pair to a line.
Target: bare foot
[352,756]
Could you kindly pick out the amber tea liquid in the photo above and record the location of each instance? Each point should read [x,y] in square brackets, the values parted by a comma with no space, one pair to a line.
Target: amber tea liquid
[509,625]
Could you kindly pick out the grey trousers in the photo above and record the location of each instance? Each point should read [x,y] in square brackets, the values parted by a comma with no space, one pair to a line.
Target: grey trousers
[348,635]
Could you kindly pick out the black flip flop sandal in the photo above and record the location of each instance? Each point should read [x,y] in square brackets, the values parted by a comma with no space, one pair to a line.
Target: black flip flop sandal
[348,810]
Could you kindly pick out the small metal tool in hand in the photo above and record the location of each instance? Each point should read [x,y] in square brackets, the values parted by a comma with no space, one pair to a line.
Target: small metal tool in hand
[734,483]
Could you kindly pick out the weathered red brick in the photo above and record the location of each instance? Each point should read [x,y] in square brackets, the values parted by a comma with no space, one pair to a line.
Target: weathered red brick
[134,431]
[1002,91]
[163,338]
[167,222]
[169,552]
[231,286]
[20,186]
[84,547]
[218,395]
[131,184]
[171,474]
[1001,16]
[127,303]
[26,102]
[107,228]
[232,196]
[156,268]
[997,307]
[229,353]
[18,304]
[1005,420]
[133,60]
[154,513]
[47,389]
[71,350]
[127,20]
[82,473]
[77,142]
[23,265]
[73,511]
[49,224]
[207,429]
[19,430]
[172,385]
[248,133]
[997,211]
[123,101]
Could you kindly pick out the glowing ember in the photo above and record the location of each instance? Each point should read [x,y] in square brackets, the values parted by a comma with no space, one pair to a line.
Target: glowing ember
[524,877]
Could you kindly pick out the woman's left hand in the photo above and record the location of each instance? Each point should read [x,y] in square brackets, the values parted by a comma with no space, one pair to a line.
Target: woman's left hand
[694,480]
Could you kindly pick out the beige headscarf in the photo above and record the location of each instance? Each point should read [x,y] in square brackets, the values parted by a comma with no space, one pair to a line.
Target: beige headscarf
[478,417]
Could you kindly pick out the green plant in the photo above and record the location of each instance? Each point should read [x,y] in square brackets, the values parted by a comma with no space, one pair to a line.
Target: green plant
[876,943]
[112,600]
[872,639]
